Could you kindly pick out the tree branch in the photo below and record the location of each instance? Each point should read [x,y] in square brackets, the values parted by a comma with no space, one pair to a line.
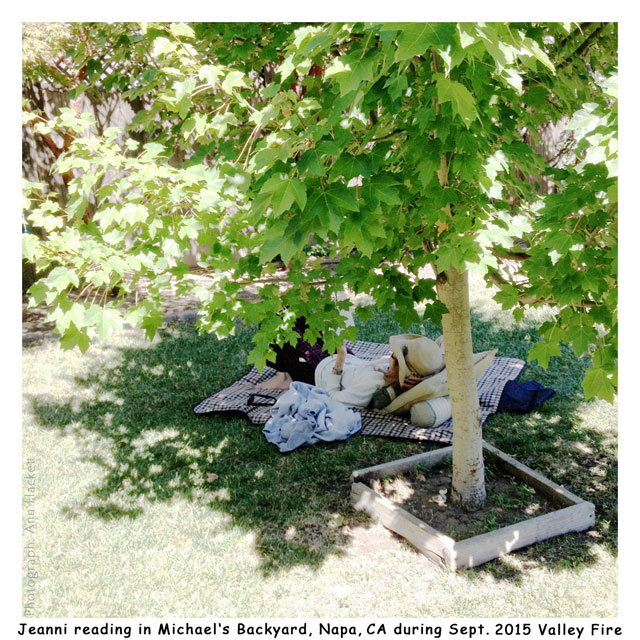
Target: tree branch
[582,27]
[520,256]
[388,136]
[584,45]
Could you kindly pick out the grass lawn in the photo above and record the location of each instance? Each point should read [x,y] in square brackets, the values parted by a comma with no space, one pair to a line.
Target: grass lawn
[144,509]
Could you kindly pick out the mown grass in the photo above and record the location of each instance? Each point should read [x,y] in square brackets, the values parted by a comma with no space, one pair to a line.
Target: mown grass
[145,509]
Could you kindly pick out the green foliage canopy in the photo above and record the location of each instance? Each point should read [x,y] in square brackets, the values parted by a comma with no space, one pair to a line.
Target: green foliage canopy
[398,145]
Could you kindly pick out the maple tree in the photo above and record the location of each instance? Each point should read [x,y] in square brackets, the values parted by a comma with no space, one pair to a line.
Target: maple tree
[394,145]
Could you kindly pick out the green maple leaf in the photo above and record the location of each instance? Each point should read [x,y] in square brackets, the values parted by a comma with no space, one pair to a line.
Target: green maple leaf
[597,384]
[351,72]
[363,244]
[461,99]
[406,316]
[467,34]
[381,188]
[561,241]
[581,338]
[427,171]
[74,337]
[447,256]
[184,88]
[284,191]
[181,29]
[274,239]
[538,53]
[151,151]
[350,166]
[210,73]
[151,323]
[396,85]
[104,320]
[61,277]
[233,80]
[286,238]
[542,351]
[75,314]
[313,162]
[38,292]
[507,296]
[328,205]
[416,37]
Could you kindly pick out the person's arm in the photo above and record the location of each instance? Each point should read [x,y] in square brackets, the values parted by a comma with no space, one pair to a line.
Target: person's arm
[332,382]
[412,381]
[342,354]
[382,397]
[360,387]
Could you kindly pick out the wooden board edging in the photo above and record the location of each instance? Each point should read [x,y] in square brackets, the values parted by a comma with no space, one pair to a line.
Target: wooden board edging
[428,540]
[576,514]
[487,546]
[428,459]
[549,488]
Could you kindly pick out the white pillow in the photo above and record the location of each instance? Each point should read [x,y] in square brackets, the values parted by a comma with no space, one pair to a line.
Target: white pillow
[431,413]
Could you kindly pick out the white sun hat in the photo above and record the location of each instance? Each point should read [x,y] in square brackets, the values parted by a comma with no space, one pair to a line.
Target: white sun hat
[416,354]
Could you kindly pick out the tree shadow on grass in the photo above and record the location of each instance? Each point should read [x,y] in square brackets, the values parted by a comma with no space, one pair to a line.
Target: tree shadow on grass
[138,426]
[136,423]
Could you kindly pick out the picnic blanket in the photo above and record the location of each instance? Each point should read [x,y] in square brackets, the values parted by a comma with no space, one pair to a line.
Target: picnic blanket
[243,397]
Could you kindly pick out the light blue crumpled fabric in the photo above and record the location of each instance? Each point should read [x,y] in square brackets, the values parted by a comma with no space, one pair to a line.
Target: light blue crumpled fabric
[306,414]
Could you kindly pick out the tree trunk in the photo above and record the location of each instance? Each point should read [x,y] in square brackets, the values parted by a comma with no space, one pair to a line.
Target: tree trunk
[468,488]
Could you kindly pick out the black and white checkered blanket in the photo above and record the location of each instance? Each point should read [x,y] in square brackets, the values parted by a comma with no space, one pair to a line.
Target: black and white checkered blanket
[243,397]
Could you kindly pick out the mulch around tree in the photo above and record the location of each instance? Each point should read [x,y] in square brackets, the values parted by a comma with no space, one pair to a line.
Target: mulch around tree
[425,493]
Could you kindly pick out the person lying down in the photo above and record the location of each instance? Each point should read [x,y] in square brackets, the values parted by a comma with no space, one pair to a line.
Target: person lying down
[360,383]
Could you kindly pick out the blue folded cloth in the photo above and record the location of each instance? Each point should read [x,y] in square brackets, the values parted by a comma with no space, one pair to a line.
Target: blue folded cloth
[305,415]
[520,397]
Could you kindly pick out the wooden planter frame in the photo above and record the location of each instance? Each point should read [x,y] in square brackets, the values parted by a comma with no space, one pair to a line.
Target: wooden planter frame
[573,514]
